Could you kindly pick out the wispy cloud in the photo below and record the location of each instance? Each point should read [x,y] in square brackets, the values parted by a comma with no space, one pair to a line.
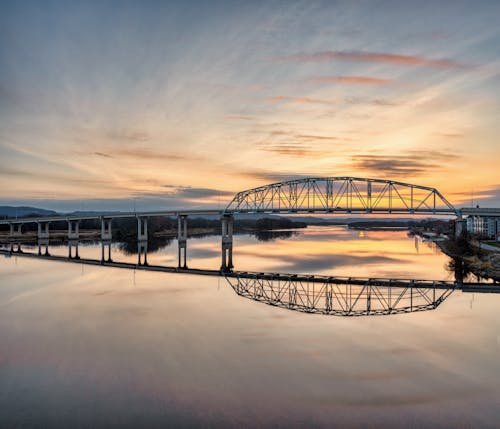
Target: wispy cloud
[489,196]
[295,150]
[305,100]
[141,154]
[191,193]
[240,117]
[350,80]
[415,163]
[372,57]
[371,101]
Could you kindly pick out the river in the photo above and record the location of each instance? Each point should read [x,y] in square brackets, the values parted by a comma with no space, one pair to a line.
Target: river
[90,346]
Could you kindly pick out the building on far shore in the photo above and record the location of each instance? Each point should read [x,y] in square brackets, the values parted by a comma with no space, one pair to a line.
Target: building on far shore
[484,226]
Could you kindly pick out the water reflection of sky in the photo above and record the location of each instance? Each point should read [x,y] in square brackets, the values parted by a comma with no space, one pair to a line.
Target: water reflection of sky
[96,346]
[332,250]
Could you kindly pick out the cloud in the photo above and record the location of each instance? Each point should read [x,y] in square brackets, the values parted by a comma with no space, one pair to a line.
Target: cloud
[350,80]
[394,165]
[187,192]
[414,163]
[104,155]
[128,135]
[296,136]
[303,100]
[373,102]
[296,150]
[316,137]
[273,177]
[240,117]
[485,197]
[372,57]
[452,135]
[142,154]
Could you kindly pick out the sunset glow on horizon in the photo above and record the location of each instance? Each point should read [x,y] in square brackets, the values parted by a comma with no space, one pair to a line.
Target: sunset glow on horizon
[174,104]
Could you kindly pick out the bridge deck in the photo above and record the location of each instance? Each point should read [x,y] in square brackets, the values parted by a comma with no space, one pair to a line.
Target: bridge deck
[401,283]
[175,213]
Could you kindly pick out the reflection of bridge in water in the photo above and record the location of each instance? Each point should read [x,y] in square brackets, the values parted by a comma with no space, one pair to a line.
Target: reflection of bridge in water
[316,294]
[331,298]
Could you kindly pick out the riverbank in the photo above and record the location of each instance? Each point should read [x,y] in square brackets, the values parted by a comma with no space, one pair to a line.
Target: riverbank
[481,262]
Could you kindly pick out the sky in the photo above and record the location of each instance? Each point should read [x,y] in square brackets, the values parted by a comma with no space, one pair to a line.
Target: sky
[168,104]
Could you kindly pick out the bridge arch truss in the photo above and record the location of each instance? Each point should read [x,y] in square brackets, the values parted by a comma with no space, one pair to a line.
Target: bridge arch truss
[342,195]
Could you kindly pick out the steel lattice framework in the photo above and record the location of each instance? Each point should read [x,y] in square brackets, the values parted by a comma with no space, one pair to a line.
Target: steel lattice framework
[340,299]
[341,195]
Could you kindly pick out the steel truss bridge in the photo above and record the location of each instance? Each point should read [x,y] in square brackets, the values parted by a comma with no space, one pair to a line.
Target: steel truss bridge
[342,195]
[335,195]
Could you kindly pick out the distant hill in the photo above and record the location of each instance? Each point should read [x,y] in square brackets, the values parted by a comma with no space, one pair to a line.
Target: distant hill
[13,212]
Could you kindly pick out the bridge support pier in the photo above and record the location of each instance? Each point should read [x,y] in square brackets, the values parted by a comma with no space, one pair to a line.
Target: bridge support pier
[106,250]
[106,229]
[142,228]
[73,244]
[16,230]
[43,243]
[227,243]
[13,247]
[73,229]
[43,230]
[182,240]
[142,253]
[460,226]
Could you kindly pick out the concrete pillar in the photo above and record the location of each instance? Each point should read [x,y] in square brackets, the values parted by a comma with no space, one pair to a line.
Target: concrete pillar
[106,251]
[227,243]
[73,229]
[43,230]
[16,230]
[73,244]
[43,247]
[182,240]
[142,228]
[106,229]
[142,252]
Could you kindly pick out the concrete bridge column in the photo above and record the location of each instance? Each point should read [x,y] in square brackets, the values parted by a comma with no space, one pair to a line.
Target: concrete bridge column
[106,250]
[227,243]
[460,225]
[106,229]
[73,244]
[16,230]
[13,248]
[142,228]
[182,240]
[73,229]
[43,243]
[43,230]
[142,253]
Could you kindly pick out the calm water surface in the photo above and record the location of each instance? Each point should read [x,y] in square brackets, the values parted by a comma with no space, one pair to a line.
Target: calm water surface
[88,346]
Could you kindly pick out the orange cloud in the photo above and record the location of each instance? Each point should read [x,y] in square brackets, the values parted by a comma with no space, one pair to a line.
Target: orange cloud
[351,80]
[358,56]
[306,100]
